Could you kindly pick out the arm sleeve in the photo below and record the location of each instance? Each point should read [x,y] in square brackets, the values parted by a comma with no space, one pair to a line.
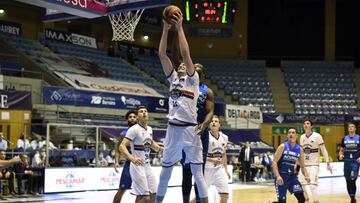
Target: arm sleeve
[172,75]
[194,79]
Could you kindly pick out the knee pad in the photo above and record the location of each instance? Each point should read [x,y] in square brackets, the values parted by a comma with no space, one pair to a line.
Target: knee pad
[196,170]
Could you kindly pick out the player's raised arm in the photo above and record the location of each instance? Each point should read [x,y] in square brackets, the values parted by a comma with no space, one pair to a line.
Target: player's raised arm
[275,167]
[164,58]
[184,46]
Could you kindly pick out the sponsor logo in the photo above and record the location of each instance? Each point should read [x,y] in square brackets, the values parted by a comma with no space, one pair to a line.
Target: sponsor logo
[70,180]
[3,101]
[56,96]
[77,3]
[130,101]
[103,100]
[161,102]
[242,113]
[10,29]
[111,179]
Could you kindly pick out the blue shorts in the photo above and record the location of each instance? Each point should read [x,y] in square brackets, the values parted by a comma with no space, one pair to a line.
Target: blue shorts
[291,183]
[125,180]
[351,169]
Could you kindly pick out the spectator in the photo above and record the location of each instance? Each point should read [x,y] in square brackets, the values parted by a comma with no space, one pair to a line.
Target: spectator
[246,158]
[58,161]
[42,144]
[22,142]
[23,172]
[267,162]
[110,158]
[258,168]
[3,142]
[35,143]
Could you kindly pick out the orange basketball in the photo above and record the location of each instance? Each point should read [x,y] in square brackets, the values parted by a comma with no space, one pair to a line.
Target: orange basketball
[169,12]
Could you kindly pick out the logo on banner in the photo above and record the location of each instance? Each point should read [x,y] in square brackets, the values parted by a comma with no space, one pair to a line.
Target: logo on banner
[130,101]
[161,102]
[70,180]
[56,96]
[77,3]
[98,100]
[111,179]
[3,101]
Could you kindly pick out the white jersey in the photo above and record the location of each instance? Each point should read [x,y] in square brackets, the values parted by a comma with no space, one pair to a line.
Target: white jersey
[216,149]
[184,93]
[311,146]
[141,139]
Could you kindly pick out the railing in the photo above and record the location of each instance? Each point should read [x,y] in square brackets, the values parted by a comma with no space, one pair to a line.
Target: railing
[22,73]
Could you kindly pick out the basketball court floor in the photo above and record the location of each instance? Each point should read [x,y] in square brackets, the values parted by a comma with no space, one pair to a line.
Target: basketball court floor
[332,190]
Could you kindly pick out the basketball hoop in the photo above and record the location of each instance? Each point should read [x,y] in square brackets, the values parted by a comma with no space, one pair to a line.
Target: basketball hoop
[124,24]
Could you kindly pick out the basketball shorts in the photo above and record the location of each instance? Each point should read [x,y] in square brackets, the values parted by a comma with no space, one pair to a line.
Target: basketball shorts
[125,179]
[144,181]
[179,138]
[313,172]
[291,184]
[216,176]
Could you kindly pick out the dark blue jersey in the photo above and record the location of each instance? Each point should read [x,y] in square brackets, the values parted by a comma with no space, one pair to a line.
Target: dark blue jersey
[290,155]
[201,103]
[351,147]
[123,136]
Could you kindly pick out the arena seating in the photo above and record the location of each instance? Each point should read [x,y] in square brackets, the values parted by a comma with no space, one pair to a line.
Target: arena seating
[246,82]
[320,88]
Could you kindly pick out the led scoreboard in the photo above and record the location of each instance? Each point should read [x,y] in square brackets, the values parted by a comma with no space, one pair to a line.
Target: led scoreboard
[209,11]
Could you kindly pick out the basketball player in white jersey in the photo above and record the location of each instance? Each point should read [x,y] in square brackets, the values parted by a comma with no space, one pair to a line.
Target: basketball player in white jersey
[312,143]
[140,139]
[181,133]
[216,172]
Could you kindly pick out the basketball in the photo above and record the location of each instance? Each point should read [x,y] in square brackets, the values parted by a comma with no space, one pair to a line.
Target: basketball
[169,12]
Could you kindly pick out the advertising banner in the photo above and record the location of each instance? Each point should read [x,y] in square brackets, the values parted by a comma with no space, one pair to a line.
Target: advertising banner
[243,117]
[74,97]
[15,100]
[73,38]
[10,27]
[295,118]
[82,179]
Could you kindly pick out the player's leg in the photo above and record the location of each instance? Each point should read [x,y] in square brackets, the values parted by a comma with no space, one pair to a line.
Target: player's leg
[140,183]
[221,184]
[281,190]
[172,154]
[194,156]
[305,185]
[296,189]
[186,182]
[314,175]
[152,183]
[125,183]
[351,170]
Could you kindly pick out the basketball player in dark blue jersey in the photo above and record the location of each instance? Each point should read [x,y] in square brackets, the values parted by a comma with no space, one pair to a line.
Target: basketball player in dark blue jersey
[205,105]
[287,156]
[350,153]
[125,180]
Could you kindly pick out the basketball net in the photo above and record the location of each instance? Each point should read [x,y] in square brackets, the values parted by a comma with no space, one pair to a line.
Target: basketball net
[124,24]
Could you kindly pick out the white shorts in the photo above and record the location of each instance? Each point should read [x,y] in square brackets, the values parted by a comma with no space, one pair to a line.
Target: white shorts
[218,178]
[313,172]
[179,138]
[143,179]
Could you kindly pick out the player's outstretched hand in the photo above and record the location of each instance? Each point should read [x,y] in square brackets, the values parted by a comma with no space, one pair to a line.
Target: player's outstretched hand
[228,174]
[136,160]
[116,166]
[279,180]
[199,129]
[177,20]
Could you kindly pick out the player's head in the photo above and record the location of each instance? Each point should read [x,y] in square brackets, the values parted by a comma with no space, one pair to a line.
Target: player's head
[201,71]
[181,70]
[2,155]
[215,123]
[142,114]
[292,135]
[351,127]
[308,125]
[131,117]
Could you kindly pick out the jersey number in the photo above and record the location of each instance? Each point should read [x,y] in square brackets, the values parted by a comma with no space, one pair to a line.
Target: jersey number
[174,103]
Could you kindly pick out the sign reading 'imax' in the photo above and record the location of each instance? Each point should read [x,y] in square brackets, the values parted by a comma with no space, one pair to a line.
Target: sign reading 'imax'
[71,38]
